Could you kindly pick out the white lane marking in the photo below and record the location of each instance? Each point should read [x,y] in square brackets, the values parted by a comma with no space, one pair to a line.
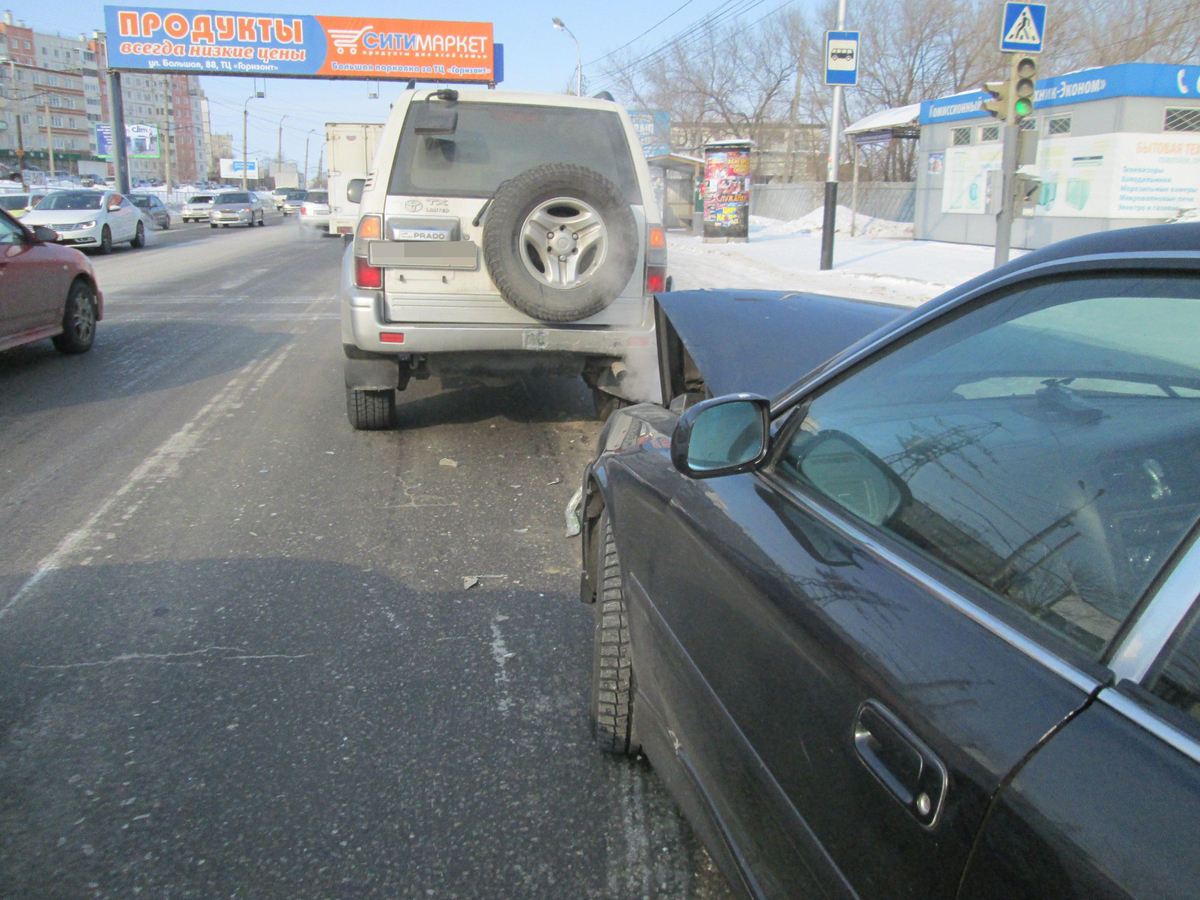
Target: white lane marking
[171,657]
[160,465]
[501,655]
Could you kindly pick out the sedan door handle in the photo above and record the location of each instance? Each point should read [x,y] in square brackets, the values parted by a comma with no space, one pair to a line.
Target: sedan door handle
[901,761]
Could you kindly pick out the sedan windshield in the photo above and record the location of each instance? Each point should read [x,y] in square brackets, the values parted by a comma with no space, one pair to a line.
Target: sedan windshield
[141,202]
[317,197]
[13,201]
[72,200]
[233,198]
[203,198]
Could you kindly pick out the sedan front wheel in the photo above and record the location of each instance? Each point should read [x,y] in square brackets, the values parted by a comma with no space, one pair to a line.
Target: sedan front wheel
[79,320]
[612,665]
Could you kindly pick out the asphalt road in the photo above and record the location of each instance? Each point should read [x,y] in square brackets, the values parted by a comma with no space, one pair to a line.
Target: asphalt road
[239,656]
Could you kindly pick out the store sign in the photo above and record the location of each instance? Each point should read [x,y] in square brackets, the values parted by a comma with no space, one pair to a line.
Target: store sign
[1124,80]
[209,42]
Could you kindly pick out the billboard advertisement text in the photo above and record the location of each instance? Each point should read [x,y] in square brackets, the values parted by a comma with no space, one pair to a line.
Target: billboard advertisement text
[210,42]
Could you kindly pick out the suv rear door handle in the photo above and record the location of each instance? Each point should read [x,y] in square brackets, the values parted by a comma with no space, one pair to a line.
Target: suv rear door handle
[900,761]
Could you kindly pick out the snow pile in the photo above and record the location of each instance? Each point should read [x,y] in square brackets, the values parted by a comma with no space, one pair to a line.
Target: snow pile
[787,256]
[814,223]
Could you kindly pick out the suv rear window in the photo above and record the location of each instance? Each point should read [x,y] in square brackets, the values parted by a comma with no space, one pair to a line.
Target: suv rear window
[497,141]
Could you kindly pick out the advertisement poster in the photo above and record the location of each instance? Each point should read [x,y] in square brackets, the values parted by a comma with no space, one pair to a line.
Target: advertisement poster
[1106,176]
[211,42]
[727,193]
[141,141]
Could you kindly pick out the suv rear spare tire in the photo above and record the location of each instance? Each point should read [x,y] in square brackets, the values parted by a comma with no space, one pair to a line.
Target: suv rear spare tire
[560,242]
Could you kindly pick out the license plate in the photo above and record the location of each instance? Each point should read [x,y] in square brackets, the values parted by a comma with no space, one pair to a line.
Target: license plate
[424,254]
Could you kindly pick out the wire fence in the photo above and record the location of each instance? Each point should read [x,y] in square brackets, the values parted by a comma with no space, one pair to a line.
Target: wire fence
[894,201]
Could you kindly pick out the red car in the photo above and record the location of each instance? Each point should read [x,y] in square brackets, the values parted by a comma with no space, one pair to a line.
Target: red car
[46,290]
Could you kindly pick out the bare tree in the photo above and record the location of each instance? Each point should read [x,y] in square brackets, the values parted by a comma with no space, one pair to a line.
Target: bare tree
[764,80]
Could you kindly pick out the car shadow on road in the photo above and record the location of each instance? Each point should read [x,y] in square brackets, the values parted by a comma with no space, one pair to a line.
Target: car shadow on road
[526,399]
[127,360]
[311,728]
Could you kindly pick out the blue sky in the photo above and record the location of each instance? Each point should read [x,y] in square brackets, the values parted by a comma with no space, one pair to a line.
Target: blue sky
[537,57]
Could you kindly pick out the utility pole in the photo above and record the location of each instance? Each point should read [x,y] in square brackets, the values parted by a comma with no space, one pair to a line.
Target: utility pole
[16,102]
[49,132]
[167,128]
[116,101]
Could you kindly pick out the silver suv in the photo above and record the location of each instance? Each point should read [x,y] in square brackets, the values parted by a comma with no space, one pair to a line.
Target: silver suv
[502,233]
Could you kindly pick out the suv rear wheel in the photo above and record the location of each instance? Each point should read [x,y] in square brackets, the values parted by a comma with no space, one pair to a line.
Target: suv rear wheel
[560,242]
[371,410]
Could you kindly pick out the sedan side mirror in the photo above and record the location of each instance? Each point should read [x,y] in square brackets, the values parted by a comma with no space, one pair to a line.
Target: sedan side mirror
[45,235]
[722,436]
[354,189]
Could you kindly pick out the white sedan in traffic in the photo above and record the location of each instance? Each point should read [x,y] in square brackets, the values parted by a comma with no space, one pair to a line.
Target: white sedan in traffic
[90,219]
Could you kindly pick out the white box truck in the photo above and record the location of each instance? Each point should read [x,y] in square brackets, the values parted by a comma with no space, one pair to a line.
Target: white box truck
[349,152]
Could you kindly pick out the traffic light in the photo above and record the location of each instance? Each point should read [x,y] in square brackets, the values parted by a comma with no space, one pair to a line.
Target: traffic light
[1001,98]
[1024,80]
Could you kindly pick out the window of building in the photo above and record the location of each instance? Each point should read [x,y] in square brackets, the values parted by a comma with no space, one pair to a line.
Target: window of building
[1029,124]
[1182,119]
[960,137]
[1058,125]
[56,122]
[989,133]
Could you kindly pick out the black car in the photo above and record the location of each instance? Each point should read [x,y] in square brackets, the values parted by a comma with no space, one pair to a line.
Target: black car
[923,623]
[152,207]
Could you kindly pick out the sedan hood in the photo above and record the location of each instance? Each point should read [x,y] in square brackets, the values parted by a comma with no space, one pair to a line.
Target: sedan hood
[763,342]
[52,217]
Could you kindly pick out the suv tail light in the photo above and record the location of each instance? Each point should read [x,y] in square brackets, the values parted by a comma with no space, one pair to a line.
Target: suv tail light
[656,279]
[367,275]
[370,228]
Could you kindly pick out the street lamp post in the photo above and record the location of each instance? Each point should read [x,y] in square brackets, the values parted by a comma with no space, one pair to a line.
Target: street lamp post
[279,152]
[245,127]
[558,23]
[306,140]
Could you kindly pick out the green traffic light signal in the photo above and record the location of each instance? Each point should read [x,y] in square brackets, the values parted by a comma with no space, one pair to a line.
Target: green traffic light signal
[1024,81]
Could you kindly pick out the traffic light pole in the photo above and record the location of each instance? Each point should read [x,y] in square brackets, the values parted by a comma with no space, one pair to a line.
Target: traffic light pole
[1011,132]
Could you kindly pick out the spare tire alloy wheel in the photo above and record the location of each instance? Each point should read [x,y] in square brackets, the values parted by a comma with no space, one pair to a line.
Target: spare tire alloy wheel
[560,242]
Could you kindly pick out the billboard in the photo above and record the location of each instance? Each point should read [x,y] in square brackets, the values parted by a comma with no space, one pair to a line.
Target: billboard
[211,42]
[141,141]
[232,168]
[653,127]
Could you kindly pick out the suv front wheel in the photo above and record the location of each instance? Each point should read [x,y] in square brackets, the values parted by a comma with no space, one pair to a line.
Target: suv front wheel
[560,242]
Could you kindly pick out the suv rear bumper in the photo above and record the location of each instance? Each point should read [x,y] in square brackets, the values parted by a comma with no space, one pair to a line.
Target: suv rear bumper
[628,356]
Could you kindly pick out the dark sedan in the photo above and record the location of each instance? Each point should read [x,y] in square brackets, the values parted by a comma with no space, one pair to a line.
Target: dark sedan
[153,208]
[923,623]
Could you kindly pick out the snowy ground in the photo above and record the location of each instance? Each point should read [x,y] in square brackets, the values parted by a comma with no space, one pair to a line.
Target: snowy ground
[881,262]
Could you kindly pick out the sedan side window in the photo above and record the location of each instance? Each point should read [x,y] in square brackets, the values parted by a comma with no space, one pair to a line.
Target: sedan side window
[1041,443]
[10,233]
[1176,676]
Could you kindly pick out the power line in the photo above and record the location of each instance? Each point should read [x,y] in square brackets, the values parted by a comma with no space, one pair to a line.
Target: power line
[643,34]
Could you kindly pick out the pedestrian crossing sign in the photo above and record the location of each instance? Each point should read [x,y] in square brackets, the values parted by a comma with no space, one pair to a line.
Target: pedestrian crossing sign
[1024,28]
